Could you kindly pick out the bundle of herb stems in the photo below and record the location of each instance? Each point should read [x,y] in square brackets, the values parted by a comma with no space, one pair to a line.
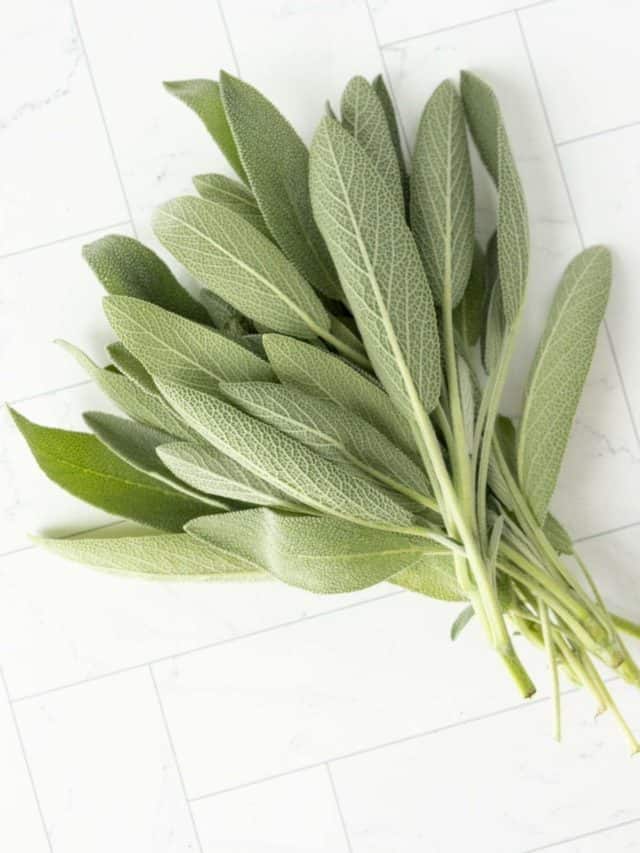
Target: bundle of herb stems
[328,413]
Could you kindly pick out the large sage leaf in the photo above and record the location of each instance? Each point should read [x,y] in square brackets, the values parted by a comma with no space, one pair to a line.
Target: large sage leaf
[326,555]
[364,117]
[442,195]
[240,264]
[286,463]
[325,375]
[141,405]
[379,267]
[137,445]
[87,469]
[209,470]
[277,165]
[203,97]
[330,429]
[233,195]
[180,350]
[126,267]
[168,556]
[380,88]
[558,374]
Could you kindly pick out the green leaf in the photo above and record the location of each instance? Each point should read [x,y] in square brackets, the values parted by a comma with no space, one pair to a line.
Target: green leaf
[494,331]
[364,117]
[461,621]
[137,445]
[435,577]
[505,435]
[240,264]
[513,231]
[180,350]
[277,165]
[379,266]
[467,401]
[557,535]
[290,466]
[169,556]
[325,375]
[125,267]
[131,367]
[141,405]
[470,313]
[209,470]
[483,115]
[232,195]
[331,430]
[224,316]
[558,374]
[203,97]
[382,92]
[442,195]
[85,468]
[325,555]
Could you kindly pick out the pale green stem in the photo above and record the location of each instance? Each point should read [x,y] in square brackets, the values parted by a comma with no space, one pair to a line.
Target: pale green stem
[553,666]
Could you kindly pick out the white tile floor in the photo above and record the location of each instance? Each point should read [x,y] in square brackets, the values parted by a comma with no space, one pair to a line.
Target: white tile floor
[149,718]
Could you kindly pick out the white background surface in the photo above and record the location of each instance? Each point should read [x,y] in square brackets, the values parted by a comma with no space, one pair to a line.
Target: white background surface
[150,718]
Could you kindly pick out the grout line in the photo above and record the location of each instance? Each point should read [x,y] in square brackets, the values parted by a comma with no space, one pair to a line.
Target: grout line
[49,392]
[26,762]
[597,133]
[461,24]
[576,219]
[206,647]
[339,807]
[102,115]
[66,239]
[227,31]
[607,532]
[175,758]
[599,831]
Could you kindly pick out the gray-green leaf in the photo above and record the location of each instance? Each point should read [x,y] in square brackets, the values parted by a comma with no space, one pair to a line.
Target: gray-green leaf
[325,555]
[382,92]
[470,313]
[233,195]
[277,165]
[379,266]
[131,367]
[558,374]
[240,264]
[442,195]
[461,621]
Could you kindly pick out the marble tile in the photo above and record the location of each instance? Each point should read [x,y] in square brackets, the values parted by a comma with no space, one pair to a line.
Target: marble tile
[104,769]
[29,502]
[622,839]
[59,178]
[587,62]
[603,175]
[159,143]
[603,455]
[302,52]
[499,785]
[61,623]
[291,698]
[47,294]
[21,828]
[295,813]
[402,19]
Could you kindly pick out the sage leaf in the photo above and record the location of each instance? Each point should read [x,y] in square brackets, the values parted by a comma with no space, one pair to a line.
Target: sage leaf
[277,165]
[180,350]
[232,195]
[224,317]
[380,88]
[461,621]
[557,535]
[331,430]
[125,267]
[494,331]
[286,463]
[324,555]
[131,367]
[434,576]
[558,373]
[168,556]
[379,267]
[467,401]
[87,469]
[203,97]
[470,313]
[148,408]
[364,117]
[483,115]
[442,196]
[325,375]
[137,445]
[224,252]
[209,470]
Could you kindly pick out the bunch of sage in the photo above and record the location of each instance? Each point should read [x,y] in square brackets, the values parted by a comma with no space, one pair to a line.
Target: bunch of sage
[327,412]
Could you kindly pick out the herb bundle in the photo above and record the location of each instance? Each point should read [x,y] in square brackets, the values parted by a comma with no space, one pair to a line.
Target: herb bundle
[327,412]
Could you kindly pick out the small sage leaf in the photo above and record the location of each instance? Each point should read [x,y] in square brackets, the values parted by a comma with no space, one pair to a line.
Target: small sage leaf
[233,195]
